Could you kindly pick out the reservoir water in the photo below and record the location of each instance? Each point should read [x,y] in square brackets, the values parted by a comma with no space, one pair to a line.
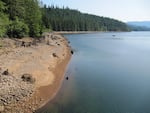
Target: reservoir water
[108,73]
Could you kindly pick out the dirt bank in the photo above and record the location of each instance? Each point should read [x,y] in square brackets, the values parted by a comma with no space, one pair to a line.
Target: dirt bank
[43,61]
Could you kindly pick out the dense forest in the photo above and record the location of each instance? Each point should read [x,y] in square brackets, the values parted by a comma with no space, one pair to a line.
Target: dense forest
[65,19]
[20,18]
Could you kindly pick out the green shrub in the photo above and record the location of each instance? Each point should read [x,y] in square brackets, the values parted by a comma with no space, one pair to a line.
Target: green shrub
[3,25]
[4,21]
[18,29]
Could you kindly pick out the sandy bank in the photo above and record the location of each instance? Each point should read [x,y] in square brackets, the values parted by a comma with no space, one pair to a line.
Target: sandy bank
[45,60]
[75,32]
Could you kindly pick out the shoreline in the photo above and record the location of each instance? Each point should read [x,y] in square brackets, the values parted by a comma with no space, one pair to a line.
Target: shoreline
[84,32]
[54,88]
[45,61]
[75,32]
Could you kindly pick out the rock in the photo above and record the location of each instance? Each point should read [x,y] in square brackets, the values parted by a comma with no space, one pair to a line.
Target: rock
[13,89]
[67,78]
[54,55]
[5,72]
[28,78]
[72,52]
[23,43]
[2,108]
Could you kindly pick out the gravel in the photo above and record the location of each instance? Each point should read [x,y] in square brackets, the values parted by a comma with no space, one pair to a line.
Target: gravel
[13,89]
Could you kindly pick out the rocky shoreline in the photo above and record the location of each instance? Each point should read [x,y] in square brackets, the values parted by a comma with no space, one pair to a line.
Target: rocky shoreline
[28,68]
[13,89]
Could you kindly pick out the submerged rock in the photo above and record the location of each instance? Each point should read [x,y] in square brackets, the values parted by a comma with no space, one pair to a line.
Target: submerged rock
[72,52]
[67,78]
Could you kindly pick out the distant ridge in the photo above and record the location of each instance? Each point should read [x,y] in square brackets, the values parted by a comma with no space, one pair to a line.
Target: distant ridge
[140,23]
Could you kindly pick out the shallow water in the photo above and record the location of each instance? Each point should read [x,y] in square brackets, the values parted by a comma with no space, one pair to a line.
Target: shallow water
[108,73]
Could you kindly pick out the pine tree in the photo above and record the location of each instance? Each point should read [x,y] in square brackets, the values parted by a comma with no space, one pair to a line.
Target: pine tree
[4,21]
[33,17]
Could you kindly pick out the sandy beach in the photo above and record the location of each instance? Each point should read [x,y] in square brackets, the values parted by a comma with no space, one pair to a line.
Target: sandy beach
[46,61]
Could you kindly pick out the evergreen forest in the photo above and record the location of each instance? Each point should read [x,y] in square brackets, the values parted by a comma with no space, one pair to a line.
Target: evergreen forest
[21,18]
[65,19]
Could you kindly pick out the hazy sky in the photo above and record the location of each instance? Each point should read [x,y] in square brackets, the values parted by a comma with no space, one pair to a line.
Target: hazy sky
[124,10]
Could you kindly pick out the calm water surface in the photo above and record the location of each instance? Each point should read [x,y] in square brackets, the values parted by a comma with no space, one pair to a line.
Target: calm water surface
[108,73]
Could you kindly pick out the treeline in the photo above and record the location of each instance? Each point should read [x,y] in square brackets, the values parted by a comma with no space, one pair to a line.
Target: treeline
[65,19]
[20,18]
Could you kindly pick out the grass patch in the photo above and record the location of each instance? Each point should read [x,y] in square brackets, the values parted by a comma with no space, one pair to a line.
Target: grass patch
[47,30]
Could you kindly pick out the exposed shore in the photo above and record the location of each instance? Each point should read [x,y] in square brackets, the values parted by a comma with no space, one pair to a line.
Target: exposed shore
[75,32]
[44,60]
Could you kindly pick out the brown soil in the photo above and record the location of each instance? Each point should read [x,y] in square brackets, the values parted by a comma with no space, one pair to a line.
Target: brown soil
[40,62]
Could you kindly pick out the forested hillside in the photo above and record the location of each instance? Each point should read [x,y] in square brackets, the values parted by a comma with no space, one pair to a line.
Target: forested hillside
[65,19]
[20,18]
